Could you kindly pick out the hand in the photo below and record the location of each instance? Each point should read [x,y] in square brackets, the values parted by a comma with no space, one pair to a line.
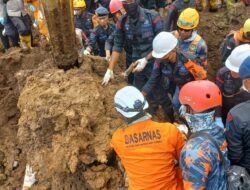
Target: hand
[30,177]
[144,93]
[35,24]
[182,128]
[86,52]
[4,32]
[108,58]
[141,64]
[108,75]
[2,20]
[32,7]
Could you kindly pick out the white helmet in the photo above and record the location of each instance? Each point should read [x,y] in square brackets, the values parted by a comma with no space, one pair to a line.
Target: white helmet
[238,55]
[129,101]
[163,43]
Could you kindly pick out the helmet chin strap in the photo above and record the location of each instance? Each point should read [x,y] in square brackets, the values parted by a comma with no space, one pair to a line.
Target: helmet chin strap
[137,117]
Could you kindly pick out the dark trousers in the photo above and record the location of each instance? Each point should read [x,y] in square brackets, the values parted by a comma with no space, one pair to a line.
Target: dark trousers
[22,24]
[10,36]
[129,60]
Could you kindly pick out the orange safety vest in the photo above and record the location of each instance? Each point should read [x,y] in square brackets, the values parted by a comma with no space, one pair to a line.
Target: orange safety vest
[39,17]
[148,151]
[196,70]
[239,37]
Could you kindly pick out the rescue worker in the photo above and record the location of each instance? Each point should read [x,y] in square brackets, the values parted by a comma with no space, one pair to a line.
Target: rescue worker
[116,9]
[200,160]
[100,34]
[83,19]
[229,81]
[22,21]
[174,9]
[162,73]
[148,149]
[8,32]
[238,124]
[189,43]
[138,28]
[39,22]
[234,39]
[83,25]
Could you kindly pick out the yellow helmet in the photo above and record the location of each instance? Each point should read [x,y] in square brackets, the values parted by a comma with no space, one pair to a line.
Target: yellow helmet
[246,27]
[188,19]
[79,4]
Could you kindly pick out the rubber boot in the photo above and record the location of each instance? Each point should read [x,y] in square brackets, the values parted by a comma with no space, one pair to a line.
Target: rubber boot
[23,43]
[28,41]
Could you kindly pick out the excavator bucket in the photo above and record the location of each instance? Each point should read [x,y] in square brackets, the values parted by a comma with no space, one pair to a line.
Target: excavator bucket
[60,24]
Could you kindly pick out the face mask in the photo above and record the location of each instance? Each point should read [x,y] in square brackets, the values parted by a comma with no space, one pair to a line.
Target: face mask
[199,121]
[131,8]
[77,12]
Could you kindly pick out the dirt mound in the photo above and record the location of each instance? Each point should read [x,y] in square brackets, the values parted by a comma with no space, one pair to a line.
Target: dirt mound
[67,119]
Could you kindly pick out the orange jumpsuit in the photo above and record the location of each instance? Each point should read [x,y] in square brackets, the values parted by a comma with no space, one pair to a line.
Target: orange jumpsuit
[38,14]
[148,151]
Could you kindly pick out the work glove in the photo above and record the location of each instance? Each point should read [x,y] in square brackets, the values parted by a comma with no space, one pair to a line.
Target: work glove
[32,7]
[35,24]
[3,20]
[182,128]
[141,64]
[108,75]
[30,177]
[4,32]
[86,52]
[108,58]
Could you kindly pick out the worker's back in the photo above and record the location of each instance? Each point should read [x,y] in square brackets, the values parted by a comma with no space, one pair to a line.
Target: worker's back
[148,151]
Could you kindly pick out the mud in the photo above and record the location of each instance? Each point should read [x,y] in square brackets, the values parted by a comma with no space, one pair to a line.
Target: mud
[214,27]
[61,122]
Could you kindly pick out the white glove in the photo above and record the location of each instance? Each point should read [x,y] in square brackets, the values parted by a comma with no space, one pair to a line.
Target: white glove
[4,32]
[182,128]
[108,58]
[141,64]
[30,177]
[86,52]
[108,75]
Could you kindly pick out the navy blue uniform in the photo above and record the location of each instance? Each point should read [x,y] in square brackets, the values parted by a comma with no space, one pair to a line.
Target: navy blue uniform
[231,91]
[99,36]
[238,135]
[84,22]
[128,49]
[140,34]
[173,13]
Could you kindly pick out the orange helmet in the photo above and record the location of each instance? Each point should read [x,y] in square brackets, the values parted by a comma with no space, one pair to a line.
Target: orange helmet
[200,95]
[115,6]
